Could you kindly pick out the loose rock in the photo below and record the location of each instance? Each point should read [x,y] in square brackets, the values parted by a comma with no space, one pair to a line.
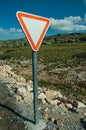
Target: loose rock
[22,91]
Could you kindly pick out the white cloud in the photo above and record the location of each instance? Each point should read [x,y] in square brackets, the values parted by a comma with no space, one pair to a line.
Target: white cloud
[79,27]
[19,30]
[11,33]
[11,30]
[75,19]
[69,24]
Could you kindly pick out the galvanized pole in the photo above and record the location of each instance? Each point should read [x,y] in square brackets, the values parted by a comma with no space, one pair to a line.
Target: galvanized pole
[35,86]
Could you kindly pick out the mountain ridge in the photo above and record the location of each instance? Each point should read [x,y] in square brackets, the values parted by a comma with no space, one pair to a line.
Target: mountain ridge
[54,39]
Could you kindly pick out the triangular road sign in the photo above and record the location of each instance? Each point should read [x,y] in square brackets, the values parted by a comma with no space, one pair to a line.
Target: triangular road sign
[34,28]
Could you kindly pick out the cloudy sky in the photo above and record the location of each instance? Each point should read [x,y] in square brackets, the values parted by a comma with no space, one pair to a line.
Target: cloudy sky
[66,16]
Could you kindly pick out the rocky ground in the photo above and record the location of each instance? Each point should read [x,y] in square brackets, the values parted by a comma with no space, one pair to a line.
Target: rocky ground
[56,112]
[68,77]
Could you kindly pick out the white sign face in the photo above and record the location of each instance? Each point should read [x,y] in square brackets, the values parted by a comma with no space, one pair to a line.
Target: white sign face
[34,28]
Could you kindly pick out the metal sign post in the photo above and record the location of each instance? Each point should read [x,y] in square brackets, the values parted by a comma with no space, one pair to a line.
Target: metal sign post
[35,86]
[35,28]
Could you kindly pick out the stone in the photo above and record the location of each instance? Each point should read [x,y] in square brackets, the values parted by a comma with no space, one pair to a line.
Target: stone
[42,97]
[21,91]
[52,95]
[8,71]
[63,113]
[43,101]
[59,94]
[81,76]
[62,105]
[81,105]
[46,109]
[12,92]
[84,114]
[45,90]
[24,63]
[49,94]
[48,100]
[69,106]
[20,84]
[8,67]
[78,104]
[21,79]
[46,115]
[9,86]
[39,90]
[28,98]
[39,108]
[52,119]
[75,103]
[54,102]
[12,74]
[30,83]
[29,88]
[18,98]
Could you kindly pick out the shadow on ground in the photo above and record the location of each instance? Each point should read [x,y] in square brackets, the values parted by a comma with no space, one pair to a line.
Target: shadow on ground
[17,114]
[83,123]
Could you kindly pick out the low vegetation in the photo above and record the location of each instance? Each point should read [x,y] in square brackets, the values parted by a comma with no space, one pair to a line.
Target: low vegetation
[46,53]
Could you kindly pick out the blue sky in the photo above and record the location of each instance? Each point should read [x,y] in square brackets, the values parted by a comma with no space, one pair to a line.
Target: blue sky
[67,16]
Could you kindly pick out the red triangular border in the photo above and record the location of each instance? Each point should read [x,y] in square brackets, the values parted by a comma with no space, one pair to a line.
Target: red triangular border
[27,33]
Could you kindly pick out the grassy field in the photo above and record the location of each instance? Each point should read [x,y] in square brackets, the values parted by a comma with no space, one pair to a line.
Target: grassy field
[48,53]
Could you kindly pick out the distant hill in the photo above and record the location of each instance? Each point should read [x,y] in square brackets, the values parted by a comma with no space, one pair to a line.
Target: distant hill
[14,43]
[66,38]
[59,38]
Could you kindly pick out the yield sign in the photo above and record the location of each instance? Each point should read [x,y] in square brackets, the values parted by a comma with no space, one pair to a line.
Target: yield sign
[34,28]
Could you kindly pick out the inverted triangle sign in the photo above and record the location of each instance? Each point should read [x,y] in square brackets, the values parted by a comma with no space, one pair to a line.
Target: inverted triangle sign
[34,27]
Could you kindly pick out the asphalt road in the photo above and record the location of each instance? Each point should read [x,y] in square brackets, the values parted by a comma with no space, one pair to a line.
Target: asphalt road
[9,119]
